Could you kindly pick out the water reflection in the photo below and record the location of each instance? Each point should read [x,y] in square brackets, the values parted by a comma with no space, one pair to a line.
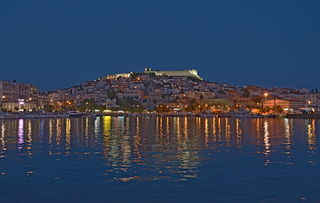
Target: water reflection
[50,130]
[58,131]
[20,133]
[68,136]
[312,135]
[288,136]
[238,133]
[2,139]
[148,148]
[267,144]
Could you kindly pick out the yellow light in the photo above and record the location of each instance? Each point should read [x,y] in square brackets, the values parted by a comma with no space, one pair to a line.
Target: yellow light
[265,94]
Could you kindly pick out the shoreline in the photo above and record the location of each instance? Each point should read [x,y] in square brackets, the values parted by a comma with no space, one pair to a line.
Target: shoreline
[79,115]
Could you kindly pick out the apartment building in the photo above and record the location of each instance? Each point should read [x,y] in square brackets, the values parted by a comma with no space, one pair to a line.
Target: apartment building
[16,96]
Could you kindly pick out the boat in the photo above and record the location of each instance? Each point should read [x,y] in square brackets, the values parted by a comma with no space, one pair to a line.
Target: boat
[73,114]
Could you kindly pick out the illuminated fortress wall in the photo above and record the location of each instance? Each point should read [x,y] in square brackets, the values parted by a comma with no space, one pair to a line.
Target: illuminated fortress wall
[179,73]
[122,75]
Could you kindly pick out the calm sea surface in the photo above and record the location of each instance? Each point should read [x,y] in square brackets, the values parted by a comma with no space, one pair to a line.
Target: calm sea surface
[121,159]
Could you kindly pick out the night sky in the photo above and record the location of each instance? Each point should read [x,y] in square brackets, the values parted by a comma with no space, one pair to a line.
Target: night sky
[56,44]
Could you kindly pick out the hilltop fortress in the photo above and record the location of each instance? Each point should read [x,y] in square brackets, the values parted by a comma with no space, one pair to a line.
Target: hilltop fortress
[173,73]
[177,73]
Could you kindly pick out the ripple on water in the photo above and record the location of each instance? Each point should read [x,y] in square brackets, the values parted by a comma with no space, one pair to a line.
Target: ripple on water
[159,158]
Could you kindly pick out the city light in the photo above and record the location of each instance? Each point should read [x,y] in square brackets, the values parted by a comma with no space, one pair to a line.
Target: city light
[164,92]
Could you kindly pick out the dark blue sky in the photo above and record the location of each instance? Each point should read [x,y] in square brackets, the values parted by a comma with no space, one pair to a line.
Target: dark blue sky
[55,44]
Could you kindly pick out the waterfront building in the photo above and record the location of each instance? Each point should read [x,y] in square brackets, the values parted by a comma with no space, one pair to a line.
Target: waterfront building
[243,101]
[43,101]
[57,96]
[16,96]
[284,104]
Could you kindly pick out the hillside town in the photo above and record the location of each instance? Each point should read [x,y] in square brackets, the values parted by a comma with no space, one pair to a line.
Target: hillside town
[181,91]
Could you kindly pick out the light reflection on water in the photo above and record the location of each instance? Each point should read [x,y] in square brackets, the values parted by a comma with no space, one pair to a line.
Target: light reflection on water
[20,134]
[144,149]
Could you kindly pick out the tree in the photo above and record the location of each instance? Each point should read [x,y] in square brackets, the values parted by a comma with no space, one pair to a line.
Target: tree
[88,105]
[189,108]
[192,106]
[49,108]
[111,94]
[221,92]
[130,105]
[265,109]
[162,108]
[246,92]
[256,99]
[278,109]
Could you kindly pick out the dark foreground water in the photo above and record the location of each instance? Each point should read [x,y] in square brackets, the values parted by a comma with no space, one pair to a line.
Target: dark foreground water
[118,159]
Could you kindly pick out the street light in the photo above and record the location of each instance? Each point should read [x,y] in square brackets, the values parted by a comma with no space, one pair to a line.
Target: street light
[265,97]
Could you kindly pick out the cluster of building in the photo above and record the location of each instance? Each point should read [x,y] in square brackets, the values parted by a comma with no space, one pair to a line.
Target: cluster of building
[152,90]
[16,96]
